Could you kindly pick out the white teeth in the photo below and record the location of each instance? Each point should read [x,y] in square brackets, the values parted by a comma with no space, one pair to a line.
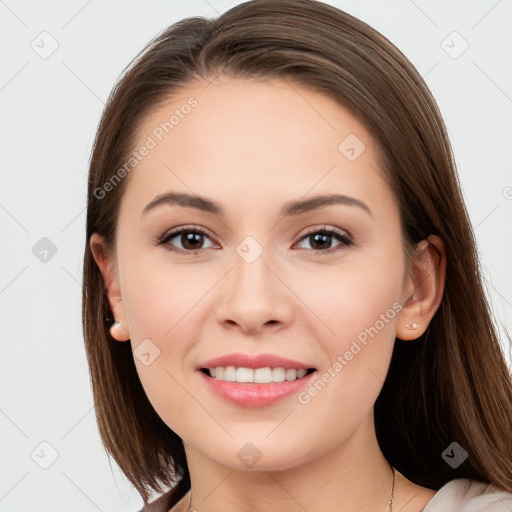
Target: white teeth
[262,375]
[230,373]
[258,375]
[244,375]
[278,374]
[290,374]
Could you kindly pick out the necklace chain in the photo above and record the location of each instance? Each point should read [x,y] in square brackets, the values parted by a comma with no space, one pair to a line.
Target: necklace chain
[391,496]
[390,501]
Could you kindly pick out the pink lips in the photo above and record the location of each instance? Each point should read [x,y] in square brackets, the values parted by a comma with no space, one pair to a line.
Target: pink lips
[254,361]
[250,394]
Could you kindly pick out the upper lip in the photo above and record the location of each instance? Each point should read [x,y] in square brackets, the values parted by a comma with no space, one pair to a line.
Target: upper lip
[240,360]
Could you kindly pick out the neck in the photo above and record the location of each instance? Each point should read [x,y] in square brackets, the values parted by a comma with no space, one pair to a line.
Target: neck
[354,476]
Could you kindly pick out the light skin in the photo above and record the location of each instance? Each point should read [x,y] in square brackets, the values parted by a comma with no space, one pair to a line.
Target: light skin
[252,147]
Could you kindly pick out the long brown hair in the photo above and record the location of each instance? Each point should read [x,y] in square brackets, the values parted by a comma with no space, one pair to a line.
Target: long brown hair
[452,384]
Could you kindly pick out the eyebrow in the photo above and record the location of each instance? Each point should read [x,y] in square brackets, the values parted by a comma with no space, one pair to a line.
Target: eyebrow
[290,208]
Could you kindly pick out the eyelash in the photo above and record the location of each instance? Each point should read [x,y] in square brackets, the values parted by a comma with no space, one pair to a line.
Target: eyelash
[169,235]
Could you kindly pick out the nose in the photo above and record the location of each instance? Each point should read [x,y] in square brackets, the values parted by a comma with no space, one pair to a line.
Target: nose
[255,298]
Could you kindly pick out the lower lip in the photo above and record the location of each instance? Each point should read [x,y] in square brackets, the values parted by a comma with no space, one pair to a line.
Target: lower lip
[255,395]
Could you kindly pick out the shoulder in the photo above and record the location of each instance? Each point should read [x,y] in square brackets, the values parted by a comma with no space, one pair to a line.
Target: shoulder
[465,495]
[162,504]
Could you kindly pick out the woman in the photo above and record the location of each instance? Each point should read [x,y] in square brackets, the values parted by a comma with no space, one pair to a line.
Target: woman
[283,306]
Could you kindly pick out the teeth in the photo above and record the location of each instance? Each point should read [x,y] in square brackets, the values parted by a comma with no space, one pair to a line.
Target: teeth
[278,374]
[244,375]
[258,375]
[262,375]
[230,373]
[290,374]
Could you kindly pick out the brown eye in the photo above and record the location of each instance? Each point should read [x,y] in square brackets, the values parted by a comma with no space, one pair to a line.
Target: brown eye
[191,241]
[185,239]
[321,240]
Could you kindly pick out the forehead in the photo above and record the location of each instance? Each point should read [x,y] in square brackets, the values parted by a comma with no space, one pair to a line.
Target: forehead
[276,113]
[258,136]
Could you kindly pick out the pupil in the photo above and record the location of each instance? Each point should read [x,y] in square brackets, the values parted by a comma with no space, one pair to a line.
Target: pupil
[190,238]
[324,237]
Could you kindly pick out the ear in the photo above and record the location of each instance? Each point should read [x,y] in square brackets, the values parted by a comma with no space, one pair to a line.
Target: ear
[424,289]
[119,330]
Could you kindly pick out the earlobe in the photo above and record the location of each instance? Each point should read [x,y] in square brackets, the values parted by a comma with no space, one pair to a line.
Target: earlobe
[427,279]
[119,330]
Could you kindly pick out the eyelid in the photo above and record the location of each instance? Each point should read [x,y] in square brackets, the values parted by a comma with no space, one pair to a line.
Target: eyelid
[330,229]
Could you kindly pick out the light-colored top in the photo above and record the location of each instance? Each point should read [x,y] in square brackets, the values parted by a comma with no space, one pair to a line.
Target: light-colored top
[459,495]
[464,495]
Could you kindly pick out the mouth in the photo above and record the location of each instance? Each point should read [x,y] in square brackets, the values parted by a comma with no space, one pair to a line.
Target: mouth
[265,375]
[255,380]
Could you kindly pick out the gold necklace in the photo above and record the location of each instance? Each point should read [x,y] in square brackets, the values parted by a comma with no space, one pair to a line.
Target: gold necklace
[390,501]
[190,508]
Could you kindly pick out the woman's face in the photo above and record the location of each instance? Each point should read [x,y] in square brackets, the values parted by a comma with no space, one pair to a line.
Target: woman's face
[262,282]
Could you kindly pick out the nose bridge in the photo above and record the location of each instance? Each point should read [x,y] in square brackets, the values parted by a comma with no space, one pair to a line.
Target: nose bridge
[254,296]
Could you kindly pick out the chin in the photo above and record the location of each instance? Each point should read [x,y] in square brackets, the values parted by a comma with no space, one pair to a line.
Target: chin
[261,455]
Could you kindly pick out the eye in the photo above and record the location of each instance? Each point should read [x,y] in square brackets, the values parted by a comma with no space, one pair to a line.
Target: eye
[324,237]
[191,239]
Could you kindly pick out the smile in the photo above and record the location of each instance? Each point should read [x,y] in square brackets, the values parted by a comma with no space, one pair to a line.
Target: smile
[264,375]
[255,380]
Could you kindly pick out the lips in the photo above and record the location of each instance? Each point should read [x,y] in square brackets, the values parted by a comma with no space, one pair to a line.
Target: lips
[240,360]
[255,394]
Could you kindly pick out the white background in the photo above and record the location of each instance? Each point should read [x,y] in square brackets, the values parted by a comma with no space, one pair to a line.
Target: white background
[49,114]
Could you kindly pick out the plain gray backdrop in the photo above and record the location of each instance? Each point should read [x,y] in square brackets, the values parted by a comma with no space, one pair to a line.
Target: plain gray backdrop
[59,61]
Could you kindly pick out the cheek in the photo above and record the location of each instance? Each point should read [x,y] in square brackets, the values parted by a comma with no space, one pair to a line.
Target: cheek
[159,298]
[367,309]
[353,298]
[160,303]
[359,303]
